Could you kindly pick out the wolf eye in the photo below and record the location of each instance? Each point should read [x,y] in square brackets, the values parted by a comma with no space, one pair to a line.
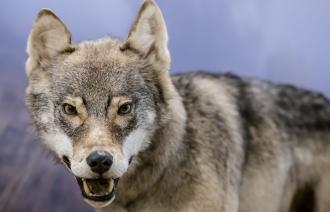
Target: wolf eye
[69,109]
[125,108]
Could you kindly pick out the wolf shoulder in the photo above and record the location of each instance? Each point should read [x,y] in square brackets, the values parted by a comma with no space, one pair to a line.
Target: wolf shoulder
[290,107]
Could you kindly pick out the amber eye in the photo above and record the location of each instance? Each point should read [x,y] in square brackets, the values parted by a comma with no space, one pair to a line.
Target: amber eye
[125,108]
[69,109]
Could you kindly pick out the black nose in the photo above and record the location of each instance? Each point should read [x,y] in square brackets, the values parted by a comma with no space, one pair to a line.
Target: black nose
[100,161]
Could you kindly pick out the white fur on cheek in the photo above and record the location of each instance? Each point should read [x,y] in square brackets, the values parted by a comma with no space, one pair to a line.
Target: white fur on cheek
[61,144]
[134,142]
[119,167]
[138,139]
[151,117]
[58,142]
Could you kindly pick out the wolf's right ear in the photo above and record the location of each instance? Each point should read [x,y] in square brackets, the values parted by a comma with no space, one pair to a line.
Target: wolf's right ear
[48,38]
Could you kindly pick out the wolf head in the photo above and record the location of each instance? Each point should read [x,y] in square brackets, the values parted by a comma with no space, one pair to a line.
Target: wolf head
[97,104]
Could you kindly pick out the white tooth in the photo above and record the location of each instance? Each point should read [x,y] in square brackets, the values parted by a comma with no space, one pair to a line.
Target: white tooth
[87,191]
[110,185]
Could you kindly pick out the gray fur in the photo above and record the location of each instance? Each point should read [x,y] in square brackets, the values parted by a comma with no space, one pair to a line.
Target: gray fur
[214,142]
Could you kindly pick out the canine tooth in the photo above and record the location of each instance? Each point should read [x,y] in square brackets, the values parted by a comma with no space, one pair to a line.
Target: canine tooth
[110,185]
[87,191]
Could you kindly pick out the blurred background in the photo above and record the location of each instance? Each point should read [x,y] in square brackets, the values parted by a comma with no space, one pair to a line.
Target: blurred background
[279,40]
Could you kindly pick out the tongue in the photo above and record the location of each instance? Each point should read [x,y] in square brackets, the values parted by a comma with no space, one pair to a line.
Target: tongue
[99,186]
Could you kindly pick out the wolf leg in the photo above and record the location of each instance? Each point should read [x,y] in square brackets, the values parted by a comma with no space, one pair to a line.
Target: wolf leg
[323,193]
[264,179]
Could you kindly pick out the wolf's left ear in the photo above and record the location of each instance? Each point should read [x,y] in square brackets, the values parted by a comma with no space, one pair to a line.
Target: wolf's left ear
[48,38]
[148,36]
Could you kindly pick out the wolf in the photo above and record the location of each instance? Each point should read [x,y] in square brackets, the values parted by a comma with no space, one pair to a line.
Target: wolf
[138,139]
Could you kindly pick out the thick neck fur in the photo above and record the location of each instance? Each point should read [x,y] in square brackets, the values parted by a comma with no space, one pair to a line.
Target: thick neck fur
[151,164]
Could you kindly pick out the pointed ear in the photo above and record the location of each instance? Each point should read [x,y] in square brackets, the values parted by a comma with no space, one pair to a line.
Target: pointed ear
[48,38]
[148,36]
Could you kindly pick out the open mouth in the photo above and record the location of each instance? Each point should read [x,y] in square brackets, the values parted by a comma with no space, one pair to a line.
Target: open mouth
[100,190]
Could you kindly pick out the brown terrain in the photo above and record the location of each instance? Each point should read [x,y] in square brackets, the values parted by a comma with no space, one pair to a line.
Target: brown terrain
[29,178]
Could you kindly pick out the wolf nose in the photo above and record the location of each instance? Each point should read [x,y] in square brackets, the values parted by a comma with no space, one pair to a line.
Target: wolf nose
[100,161]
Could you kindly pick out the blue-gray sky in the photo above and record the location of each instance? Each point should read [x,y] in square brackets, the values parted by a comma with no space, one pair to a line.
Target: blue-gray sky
[280,40]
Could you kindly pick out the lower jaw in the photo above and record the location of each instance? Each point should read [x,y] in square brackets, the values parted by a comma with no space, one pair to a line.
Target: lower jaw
[105,198]
[99,204]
